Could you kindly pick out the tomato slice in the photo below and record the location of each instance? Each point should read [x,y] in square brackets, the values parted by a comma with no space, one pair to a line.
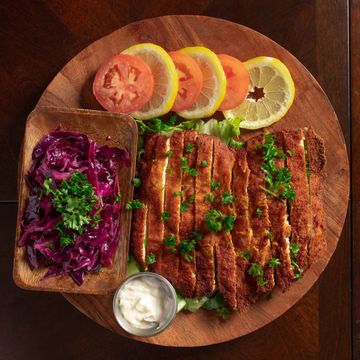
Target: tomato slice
[190,80]
[237,78]
[123,84]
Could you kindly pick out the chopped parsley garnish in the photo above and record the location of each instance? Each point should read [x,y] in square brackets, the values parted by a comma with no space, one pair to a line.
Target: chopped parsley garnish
[214,185]
[117,198]
[169,240]
[213,220]
[189,148]
[165,216]
[236,144]
[186,246]
[185,167]
[269,234]
[259,212]
[136,182]
[74,199]
[210,197]
[169,153]
[228,221]
[298,271]
[227,198]
[150,258]
[277,179]
[245,255]
[134,204]
[274,262]
[184,206]
[178,193]
[168,170]
[204,163]
[257,272]
[193,172]
[216,221]
[294,249]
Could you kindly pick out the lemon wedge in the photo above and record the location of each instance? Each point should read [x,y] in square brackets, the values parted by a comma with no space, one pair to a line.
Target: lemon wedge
[271,93]
[214,83]
[165,80]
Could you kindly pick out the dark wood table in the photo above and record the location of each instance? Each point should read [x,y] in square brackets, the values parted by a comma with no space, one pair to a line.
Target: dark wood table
[38,37]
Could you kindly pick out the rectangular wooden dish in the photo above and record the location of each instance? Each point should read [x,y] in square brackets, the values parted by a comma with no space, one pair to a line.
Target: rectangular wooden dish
[98,125]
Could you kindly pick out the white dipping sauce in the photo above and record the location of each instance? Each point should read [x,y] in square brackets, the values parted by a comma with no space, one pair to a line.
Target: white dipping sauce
[143,302]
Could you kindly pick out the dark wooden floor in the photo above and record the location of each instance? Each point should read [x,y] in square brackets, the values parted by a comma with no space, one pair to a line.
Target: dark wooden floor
[38,37]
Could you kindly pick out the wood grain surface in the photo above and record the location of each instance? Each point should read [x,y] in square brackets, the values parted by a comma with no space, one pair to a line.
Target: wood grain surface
[97,126]
[355,168]
[37,40]
[72,87]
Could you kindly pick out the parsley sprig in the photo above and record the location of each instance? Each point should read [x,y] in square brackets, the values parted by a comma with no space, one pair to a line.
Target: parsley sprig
[227,198]
[185,167]
[274,262]
[150,258]
[185,205]
[170,242]
[74,200]
[277,179]
[134,204]
[294,251]
[216,221]
[188,246]
[257,272]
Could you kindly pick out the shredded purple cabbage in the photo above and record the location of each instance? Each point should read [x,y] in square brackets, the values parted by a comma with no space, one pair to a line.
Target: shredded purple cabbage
[57,156]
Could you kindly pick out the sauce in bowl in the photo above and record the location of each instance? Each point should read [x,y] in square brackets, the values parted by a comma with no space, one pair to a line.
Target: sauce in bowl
[145,304]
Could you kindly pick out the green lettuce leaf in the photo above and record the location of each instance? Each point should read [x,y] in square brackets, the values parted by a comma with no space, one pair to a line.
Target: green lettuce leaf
[225,129]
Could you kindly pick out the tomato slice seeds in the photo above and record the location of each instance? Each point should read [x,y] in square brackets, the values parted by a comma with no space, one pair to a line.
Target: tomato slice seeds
[123,84]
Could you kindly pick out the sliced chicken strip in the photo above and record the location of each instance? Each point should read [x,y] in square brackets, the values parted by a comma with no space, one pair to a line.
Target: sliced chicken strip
[187,270]
[205,264]
[280,229]
[171,215]
[223,164]
[139,216]
[316,161]
[259,218]
[155,193]
[241,234]
[300,206]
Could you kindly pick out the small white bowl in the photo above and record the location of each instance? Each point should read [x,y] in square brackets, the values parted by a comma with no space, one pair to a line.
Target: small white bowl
[169,315]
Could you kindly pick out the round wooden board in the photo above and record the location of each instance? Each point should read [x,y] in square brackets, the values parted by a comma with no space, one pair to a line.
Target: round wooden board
[72,88]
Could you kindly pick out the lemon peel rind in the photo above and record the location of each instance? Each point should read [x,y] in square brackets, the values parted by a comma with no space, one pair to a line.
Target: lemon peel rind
[200,51]
[172,79]
[281,68]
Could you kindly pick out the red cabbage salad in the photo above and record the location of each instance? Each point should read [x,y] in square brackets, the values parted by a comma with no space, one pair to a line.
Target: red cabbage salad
[71,222]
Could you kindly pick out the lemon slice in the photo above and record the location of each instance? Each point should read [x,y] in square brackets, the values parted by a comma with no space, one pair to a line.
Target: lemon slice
[214,83]
[165,80]
[271,93]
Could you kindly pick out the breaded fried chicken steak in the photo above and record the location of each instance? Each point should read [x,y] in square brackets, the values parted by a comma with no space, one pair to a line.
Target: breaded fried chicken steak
[234,221]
